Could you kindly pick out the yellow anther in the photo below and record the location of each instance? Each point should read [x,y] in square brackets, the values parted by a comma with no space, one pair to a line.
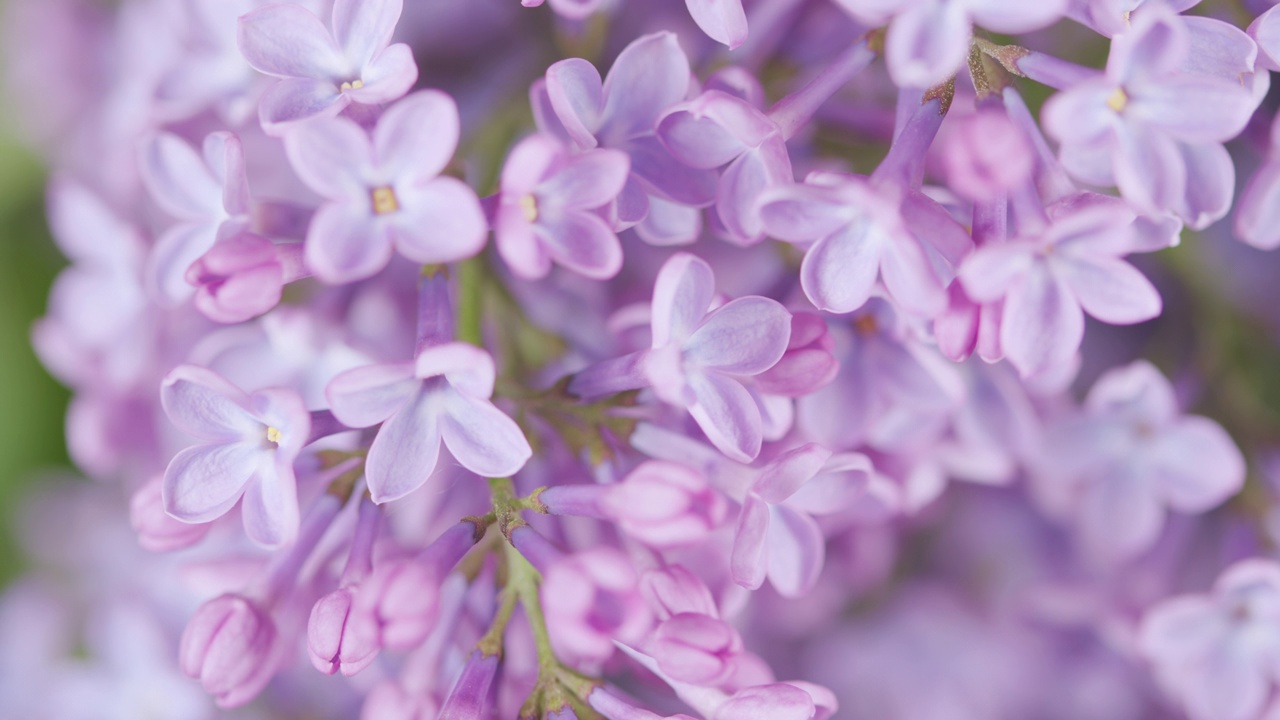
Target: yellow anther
[384,200]
[1118,100]
[1127,15]
[529,204]
[353,85]
[273,435]
[866,324]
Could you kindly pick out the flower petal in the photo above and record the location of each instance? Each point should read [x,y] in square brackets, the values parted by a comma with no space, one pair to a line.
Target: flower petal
[173,254]
[584,243]
[839,272]
[345,244]
[927,43]
[682,294]
[797,551]
[406,449]
[1111,290]
[722,20]
[576,94]
[440,222]
[749,562]
[728,415]
[363,27]
[331,156]
[270,507]
[649,76]
[288,41]
[201,483]
[588,180]
[366,396]
[785,475]
[1042,324]
[178,179]
[391,74]
[416,137]
[482,437]
[291,101]
[204,404]
[1198,464]
[745,336]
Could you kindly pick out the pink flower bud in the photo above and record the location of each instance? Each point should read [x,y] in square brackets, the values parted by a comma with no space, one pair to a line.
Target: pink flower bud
[470,694]
[665,504]
[986,157]
[230,647]
[809,362]
[697,649]
[332,642]
[242,277]
[591,599]
[157,530]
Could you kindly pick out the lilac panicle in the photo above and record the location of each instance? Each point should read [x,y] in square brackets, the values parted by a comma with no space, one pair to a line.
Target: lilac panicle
[385,193]
[249,445]
[323,70]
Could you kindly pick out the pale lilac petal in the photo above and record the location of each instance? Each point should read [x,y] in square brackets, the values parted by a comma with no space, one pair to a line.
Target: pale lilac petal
[930,222]
[649,76]
[1042,324]
[1111,290]
[992,269]
[518,244]
[1179,630]
[290,101]
[332,156]
[1218,112]
[1219,48]
[288,41]
[839,272]
[588,180]
[1211,180]
[224,155]
[789,471]
[698,133]
[664,175]
[366,396]
[681,296]
[1198,465]
[668,224]
[745,336]
[728,415]
[363,27]
[741,184]
[797,551]
[722,20]
[416,137]
[178,179]
[391,74]
[910,279]
[405,451]
[482,437]
[748,562]
[1007,17]
[345,244]
[1137,392]
[203,482]
[803,213]
[439,222]
[468,369]
[778,701]
[927,43]
[576,94]
[1120,514]
[205,405]
[1153,48]
[1257,220]
[1150,171]
[584,243]
[1265,29]
[177,249]
[270,507]
[530,161]
[1080,115]
[1227,685]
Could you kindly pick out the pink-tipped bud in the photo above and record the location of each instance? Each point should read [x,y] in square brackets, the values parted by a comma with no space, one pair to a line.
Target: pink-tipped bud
[674,590]
[592,599]
[332,642]
[230,647]
[157,530]
[469,697]
[665,505]
[809,362]
[240,277]
[697,649]
[985,156]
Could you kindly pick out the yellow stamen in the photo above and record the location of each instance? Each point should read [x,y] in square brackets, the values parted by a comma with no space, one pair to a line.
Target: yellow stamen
[353,85]
[1118,100]
[1127,15]
[384,200]
[529,204]
[273,435]
[866,324]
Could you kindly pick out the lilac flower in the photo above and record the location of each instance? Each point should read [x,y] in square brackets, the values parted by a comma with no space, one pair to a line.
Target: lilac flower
[696,648]
[323,71]
[809,362]
[208,194]
[243,277]
[649,76]
[986,156]
[1256,222]
[212,73]
[441,397]
[1115,468]
[591,600]
[232,647]
[157,530]
[928,40]
[545,211]
[1053,274]
[776,535]
[722,20]
[1216,653]
[250,443]
[1151,129]
[386,192]
[861,230]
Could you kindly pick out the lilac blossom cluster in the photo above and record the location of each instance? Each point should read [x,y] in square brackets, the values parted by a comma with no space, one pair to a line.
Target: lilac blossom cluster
[643,359]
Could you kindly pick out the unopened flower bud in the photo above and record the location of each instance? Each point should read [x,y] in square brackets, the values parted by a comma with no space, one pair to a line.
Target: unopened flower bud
[230,647]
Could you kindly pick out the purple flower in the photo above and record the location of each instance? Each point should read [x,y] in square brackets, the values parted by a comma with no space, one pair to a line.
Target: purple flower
[986,156]
[546,209]
[700,357]
[1051,275]
[862,229]
[386,192]
[696,648]
[591,600]
[230,645]
[809,362]
[443,396]
[621,112]
[722,20]
[324,71]
[1218,654]
[470,694]
[243,277]
[1116,467]
[250,443]
[209,196]
[1152,129]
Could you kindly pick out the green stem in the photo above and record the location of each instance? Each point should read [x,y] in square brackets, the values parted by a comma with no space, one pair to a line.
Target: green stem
[470,327]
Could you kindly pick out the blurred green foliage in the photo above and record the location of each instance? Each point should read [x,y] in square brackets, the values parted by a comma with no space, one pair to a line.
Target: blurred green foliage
[32,404]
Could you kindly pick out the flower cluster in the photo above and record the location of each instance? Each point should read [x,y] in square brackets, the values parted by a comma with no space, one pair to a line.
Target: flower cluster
[642,359]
